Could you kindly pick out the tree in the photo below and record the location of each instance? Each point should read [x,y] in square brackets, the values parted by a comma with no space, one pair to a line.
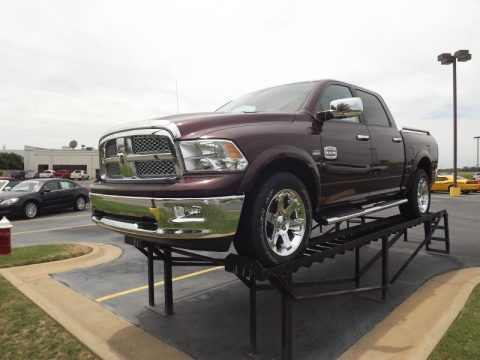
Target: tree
[11,161]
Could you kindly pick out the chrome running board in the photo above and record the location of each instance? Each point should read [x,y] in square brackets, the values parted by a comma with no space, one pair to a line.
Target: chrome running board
[363,212]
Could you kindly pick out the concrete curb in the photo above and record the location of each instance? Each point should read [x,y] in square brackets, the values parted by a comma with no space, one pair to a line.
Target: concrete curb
[415,327]
[104,333]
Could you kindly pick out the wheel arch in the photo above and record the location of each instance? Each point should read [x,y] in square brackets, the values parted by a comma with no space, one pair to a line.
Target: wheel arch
[287,159]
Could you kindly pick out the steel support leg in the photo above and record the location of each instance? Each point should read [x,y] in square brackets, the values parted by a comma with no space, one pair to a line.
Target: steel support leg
[357,267]
[151,289]
[253,316]
[287,326]
[385,267]
[167,276]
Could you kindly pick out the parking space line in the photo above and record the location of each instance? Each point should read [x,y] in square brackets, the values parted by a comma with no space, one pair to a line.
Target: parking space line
[44,219]
[51,229]
[144,287]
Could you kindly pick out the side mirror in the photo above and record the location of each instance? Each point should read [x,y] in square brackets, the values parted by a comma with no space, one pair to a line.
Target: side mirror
[342,108]
[46,190]
[7,188]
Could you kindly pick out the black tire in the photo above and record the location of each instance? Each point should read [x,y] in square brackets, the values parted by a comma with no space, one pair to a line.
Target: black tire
[80,203]
[466,192]
[418,197]
[272,210]
[30,210]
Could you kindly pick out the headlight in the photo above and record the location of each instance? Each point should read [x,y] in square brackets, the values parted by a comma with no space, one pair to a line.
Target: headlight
[212,155]
[9,201]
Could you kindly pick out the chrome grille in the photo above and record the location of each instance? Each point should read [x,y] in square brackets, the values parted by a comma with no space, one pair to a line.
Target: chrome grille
[147,144]
[111,149]
[140,155]
[155,168]
[113,169]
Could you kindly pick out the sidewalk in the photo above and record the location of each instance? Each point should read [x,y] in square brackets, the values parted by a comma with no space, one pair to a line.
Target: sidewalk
[411,331]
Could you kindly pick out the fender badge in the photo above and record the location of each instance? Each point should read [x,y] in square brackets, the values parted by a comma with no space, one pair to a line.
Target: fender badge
[330,152]
[317,152]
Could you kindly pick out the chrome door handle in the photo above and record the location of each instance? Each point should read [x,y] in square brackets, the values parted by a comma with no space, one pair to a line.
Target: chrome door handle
[363,137]
[397,140]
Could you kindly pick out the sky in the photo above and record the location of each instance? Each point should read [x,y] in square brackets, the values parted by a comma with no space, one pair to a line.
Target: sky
[72,69]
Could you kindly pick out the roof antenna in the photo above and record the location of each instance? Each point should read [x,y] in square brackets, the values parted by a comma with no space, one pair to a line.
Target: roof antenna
[176,90]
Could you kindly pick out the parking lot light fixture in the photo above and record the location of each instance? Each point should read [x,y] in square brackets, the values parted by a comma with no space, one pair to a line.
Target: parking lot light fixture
[447,59]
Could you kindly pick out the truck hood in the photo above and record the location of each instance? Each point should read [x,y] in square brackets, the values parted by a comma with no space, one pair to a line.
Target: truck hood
[191,126]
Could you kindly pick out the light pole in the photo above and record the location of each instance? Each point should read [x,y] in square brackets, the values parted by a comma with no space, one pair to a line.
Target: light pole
[478,138]
[447,59]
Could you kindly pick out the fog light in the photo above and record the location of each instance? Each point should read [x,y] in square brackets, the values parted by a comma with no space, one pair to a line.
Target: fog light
[187,211]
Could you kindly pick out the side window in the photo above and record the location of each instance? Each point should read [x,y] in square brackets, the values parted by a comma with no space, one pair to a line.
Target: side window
[373,110]
[51,185]
[64,185]
[335,92]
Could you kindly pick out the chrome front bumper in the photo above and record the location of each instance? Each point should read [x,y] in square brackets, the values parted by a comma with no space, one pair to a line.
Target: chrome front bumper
[168,218]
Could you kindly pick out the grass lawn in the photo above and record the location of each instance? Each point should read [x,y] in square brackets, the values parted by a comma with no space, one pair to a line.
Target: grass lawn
[462,340]
[27,332]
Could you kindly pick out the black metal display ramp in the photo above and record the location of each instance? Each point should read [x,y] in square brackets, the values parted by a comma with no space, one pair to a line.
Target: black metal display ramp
[352,235]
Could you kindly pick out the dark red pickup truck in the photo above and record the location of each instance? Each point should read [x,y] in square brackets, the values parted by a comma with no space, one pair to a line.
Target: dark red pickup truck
[261,169]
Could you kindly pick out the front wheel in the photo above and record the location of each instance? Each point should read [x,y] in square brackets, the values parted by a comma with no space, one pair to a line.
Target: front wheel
[30,210]
[277,220]
[418,197]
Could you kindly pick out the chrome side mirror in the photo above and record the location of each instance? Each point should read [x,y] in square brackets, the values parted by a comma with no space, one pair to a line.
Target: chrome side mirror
[342,108]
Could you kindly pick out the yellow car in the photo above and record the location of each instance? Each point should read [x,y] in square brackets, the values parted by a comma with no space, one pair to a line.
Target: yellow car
[445,182]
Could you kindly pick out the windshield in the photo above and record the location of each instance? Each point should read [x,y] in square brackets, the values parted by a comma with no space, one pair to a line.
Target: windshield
[285,98]
[27,186]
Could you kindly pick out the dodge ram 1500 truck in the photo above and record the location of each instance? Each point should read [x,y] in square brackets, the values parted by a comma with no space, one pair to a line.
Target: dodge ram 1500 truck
[260,169]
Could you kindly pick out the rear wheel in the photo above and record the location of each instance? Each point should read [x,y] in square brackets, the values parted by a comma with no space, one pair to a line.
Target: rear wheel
[79,203]
[418,197]
[30,210]
[277,220]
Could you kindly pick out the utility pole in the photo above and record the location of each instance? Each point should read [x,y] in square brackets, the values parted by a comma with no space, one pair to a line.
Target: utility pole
[478,138]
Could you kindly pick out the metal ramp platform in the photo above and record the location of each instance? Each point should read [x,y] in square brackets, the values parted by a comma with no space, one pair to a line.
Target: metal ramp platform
[350,235]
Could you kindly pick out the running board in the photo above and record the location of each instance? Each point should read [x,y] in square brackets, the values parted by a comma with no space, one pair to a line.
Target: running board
[363,212]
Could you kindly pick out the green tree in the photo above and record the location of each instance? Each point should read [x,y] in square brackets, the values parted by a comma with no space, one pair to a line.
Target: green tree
[11,161]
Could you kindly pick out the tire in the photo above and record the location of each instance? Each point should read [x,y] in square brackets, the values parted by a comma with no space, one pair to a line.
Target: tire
[30,210]
[466,192]
[418,197]
[80,203]
[276,221]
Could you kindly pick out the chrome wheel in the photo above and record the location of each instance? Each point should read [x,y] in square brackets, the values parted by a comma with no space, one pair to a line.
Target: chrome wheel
[30,210]
[423,198]
[285,222]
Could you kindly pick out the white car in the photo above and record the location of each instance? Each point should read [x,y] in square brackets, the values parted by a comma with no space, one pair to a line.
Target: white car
[476,176]
[79,175]
[47,174]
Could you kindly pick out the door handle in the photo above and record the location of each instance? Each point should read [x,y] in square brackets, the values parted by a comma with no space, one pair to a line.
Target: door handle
[397,140]
[363,137]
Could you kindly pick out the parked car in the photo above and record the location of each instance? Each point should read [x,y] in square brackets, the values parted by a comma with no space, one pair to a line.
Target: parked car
[79,175]
[31,175]
[445,182]
[476,176]
[31,197]
[47,174]
[260,169]
[7,183]
[62,174]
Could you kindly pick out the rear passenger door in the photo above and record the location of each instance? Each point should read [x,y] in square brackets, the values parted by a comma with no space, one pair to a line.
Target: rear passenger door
[66,193]
[346,152]
[388,159]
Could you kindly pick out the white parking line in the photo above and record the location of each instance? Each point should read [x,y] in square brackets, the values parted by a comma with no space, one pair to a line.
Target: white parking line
[52,229]
[45,219]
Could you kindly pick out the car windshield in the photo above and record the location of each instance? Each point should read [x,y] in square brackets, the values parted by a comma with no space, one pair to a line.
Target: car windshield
[27,186]
[284,98]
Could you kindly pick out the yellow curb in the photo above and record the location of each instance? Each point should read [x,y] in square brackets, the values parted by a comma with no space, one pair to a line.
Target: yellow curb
[415,327]
[104,333]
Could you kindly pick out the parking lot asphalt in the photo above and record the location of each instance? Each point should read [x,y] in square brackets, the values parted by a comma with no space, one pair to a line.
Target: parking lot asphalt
[211,320]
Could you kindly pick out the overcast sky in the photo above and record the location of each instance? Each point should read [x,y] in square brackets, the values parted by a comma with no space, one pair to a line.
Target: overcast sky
[72,69]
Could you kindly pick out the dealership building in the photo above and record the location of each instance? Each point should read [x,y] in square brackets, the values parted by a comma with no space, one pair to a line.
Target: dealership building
[40,159]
